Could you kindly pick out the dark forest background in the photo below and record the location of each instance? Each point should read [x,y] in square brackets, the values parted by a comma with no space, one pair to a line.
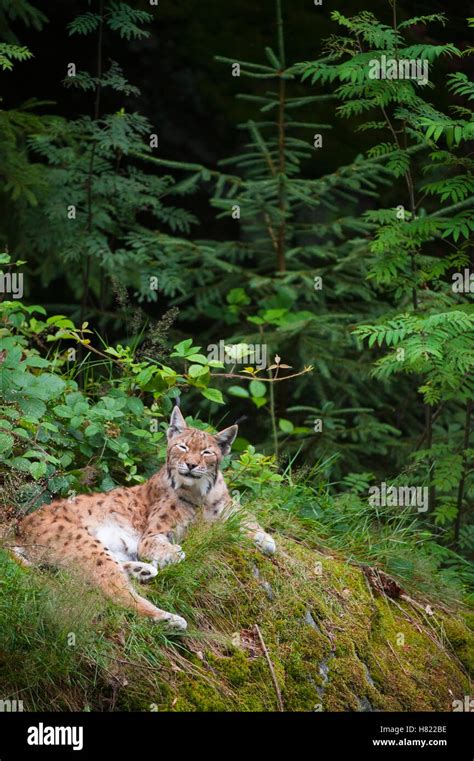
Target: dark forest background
[381,354]
[220,205]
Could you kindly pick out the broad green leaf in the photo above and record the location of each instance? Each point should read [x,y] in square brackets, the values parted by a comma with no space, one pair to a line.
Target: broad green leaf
[257,388]
[199,358]
[213,394]
[238,391]
[6,443]
[195,371]
[38,469]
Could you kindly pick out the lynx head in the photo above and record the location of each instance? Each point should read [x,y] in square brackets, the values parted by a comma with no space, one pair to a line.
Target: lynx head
[194,456]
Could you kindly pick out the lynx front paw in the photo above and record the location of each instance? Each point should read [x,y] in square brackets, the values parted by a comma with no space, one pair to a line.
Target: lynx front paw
[141,571]
[168,555]
[265,543]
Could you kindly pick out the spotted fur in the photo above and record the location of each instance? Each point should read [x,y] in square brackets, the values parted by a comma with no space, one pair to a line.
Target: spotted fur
[132,532]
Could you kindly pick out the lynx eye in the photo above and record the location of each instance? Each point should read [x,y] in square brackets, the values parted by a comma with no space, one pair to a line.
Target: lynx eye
[183,447]
[207,451]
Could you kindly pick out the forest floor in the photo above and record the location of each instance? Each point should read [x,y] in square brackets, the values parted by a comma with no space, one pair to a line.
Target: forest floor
[304,630]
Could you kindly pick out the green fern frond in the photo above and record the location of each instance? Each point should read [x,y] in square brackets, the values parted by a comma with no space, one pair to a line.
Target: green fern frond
[127,21]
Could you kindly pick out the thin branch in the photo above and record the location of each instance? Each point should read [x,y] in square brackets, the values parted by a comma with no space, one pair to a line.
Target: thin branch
[272,670]
[264,380]
[462,482]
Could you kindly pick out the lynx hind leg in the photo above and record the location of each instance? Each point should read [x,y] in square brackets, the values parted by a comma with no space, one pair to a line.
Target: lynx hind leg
[112,579]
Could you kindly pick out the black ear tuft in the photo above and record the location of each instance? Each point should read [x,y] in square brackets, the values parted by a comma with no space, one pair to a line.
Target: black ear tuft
[177,423]
[226,438]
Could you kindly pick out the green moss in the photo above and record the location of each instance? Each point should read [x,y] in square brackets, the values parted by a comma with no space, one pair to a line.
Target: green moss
[413,670]
[198,695]
[461,640]
[235,668]
[330,642]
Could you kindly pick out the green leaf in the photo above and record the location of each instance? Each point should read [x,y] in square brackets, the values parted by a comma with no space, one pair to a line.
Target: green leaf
[183,348]
[35,361]
[19,463]
[237,296]
[286,425]
[63,411]
[195,371]
[38,469]
[214,395]
[49,426]
[92,430]
[200,358]
[257,388]
[238,391]
[135,405]
[34,408]
[6,443]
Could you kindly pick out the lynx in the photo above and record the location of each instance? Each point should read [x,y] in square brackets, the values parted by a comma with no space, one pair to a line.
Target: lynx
[130,533]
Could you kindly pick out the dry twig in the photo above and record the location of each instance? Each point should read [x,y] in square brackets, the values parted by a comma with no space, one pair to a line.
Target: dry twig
[272,670]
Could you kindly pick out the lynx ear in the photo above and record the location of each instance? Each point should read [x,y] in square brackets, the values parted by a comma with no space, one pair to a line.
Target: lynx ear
[177,423]
[226,438]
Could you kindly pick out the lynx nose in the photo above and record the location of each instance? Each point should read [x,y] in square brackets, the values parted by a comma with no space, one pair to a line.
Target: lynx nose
[191,465]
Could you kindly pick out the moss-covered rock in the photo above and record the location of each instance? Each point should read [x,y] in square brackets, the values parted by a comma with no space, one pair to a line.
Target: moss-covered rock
[333,644]
[301,624]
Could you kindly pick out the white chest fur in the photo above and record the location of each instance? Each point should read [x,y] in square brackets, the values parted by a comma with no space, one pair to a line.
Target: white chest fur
[121,539]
